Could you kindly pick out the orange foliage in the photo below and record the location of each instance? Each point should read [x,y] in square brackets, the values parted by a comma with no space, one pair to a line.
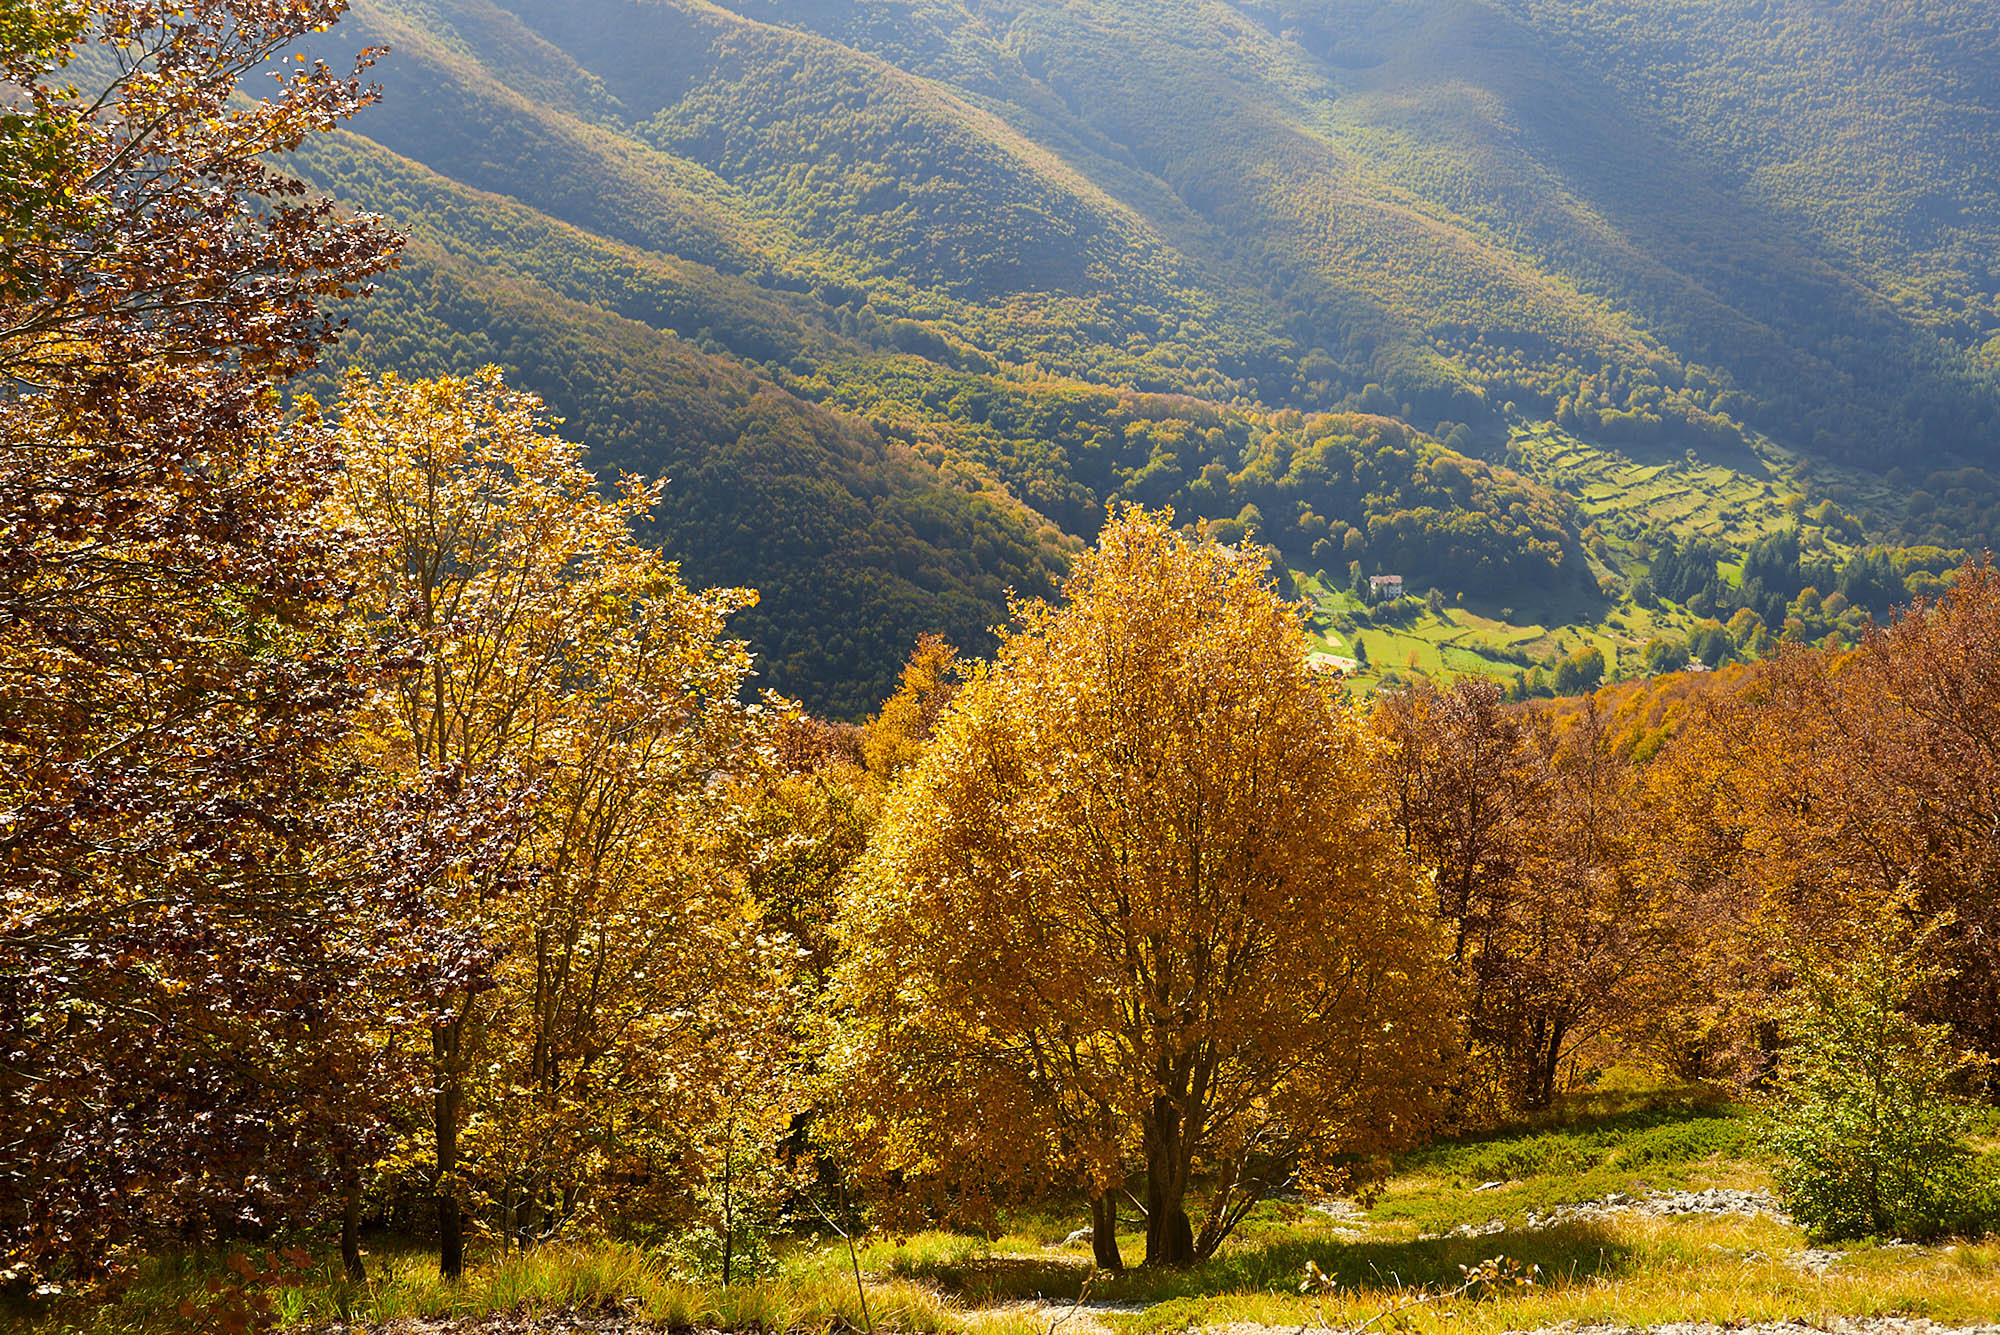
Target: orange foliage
[1136,899]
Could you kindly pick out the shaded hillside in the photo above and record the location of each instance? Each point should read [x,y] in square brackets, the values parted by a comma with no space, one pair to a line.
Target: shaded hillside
[855,545]
[1595,211]
[1034,257]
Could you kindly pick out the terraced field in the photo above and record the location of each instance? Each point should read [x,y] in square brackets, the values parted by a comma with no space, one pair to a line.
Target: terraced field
[1624,495]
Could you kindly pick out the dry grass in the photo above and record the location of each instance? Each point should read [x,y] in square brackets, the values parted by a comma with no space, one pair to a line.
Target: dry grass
[1624,1269]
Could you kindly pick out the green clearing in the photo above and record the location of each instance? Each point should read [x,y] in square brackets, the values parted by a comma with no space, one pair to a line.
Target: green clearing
[1460,642]
[1448,1206]
[1622,501]
[1624,495]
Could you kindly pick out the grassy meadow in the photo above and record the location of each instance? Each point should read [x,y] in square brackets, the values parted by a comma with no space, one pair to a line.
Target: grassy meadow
[1460,641]
[1622,498]
[1396,1258]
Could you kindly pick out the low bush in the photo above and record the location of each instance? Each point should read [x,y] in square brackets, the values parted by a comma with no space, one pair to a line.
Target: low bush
[1872,1122]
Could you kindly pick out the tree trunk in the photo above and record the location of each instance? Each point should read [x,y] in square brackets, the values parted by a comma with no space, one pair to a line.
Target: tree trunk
[1104,1233]
[728,1203]
[1549,1065]
[350,1222]
[1169,1234]
[444,1191]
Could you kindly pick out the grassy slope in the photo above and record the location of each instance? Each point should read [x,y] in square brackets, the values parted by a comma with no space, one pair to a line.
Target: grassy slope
[1619,1269]
[1444,193]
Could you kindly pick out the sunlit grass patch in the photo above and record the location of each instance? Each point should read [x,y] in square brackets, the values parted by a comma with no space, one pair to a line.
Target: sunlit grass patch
[1628,1272]
[1611,1266]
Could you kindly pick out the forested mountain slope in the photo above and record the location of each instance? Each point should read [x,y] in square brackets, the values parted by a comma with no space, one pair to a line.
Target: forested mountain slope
[902,292]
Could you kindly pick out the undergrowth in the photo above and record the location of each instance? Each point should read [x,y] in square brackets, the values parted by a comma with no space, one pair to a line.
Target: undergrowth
[1396,1264]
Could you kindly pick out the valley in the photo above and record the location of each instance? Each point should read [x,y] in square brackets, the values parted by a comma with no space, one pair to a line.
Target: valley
[955,276]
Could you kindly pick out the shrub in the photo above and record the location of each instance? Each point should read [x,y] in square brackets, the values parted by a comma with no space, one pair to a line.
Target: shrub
[1871,1122]
[696,1254]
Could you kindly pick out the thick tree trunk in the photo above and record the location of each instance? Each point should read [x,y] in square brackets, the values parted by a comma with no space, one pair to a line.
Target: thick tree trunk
[1169,1234]
[1104,1233]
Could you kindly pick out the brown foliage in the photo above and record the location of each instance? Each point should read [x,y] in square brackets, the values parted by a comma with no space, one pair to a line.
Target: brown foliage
[172,679]
[1530,824]
[1841,783]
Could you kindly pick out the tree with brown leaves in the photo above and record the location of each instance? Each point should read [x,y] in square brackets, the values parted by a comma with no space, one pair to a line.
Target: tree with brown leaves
[1527,820]
[1849,781]
[172,677]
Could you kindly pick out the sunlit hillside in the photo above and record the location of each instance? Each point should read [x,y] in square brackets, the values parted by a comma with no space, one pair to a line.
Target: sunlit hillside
[935,249]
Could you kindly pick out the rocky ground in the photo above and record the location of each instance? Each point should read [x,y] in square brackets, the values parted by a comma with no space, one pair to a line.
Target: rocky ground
[1715,1200]
[1081,1325]
[1867,1325]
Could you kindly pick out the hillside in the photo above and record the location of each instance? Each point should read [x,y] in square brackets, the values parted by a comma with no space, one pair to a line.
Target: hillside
[902,293]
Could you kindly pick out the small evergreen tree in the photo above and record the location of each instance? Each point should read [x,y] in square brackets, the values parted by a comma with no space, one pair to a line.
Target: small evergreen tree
[1871,1120]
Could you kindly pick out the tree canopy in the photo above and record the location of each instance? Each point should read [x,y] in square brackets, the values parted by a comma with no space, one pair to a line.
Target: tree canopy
[1138,893]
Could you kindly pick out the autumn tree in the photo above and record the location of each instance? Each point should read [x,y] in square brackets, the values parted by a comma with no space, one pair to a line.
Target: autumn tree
[896,736]
[173,680]
[1585,933]
[1526,820]
[1700,1008]
[1136,899]
[1851,780]
[554,653]
[795,828]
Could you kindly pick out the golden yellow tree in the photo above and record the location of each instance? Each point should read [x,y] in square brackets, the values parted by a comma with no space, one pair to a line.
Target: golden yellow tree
[547,647]
[898,735]
[1136,897]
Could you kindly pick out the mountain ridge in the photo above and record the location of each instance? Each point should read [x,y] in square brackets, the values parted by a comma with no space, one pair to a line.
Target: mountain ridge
[903,212]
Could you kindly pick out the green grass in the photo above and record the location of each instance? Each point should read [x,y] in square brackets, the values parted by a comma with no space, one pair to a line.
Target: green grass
[1623,1269]
[1398,1253]
[814,1290]
[1663,1147]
